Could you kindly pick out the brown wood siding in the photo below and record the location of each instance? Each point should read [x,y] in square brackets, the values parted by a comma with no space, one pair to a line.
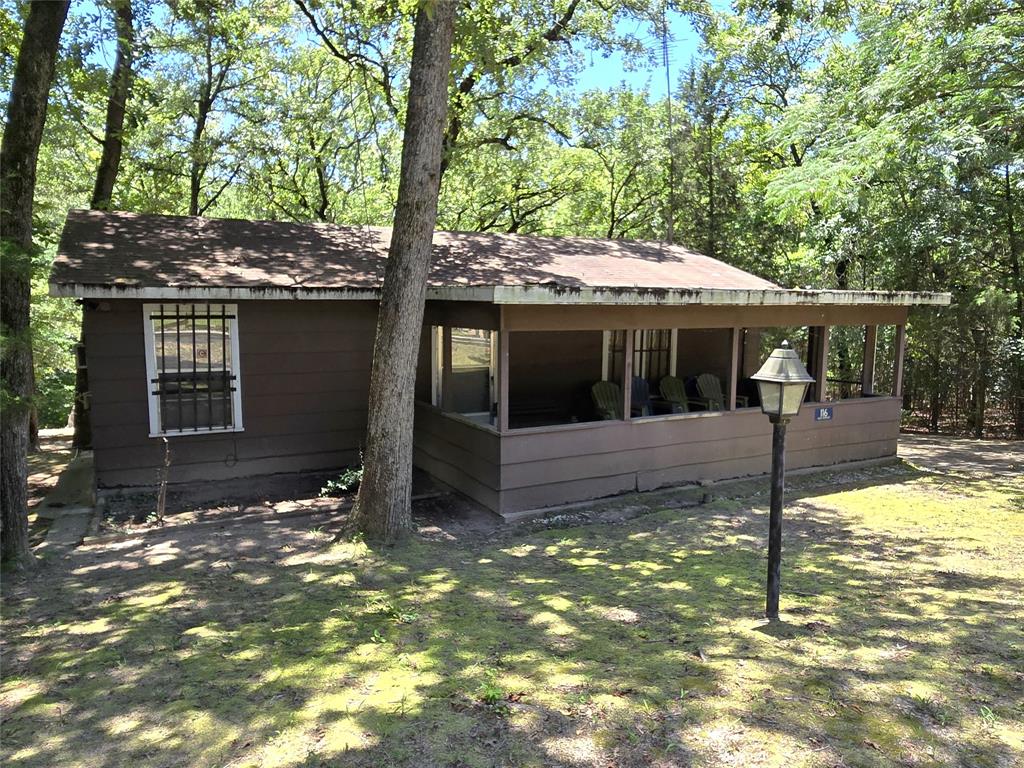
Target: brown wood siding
[543,467]
[554,371]
[463,455]
[463,314]
[424,367]
[304,372]
[305,369]
[704,351]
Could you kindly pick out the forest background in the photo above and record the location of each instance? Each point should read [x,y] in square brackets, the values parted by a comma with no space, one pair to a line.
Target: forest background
[862,145]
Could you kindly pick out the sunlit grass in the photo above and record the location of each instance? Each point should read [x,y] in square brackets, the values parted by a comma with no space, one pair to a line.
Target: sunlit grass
[632,644]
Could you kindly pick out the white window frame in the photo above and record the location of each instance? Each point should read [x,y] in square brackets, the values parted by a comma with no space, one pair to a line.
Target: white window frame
[673,356]
[606,342]
[492,378]
[149,336]
[436,365]
[438,339]
[490,371]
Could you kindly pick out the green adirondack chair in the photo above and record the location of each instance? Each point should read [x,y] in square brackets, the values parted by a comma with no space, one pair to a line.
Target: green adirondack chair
[710,388]
[674,391]
[607,399]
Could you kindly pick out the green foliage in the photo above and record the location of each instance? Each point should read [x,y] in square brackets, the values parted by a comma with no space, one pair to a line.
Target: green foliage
[384,605]
[55,328]
[871,146]
[490,691]
[347,483]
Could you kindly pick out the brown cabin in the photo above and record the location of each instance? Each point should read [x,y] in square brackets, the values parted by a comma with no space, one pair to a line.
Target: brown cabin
[248,344]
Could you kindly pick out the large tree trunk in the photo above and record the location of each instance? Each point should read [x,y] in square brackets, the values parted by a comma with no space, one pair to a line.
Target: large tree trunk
[1017,393]
[383,508]
[117,100]
[106,176]
[26,115]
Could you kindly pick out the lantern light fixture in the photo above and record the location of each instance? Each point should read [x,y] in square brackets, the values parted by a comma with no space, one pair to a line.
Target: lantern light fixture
[782,383]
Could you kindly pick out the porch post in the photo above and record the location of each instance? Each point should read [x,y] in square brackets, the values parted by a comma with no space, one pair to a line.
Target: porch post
[446,367]
[820,371]
[867,375]
[734,344]
[627,375]
[901,350]
[503,381]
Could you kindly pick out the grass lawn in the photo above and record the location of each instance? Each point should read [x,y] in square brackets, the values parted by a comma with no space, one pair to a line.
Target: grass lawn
[634,644]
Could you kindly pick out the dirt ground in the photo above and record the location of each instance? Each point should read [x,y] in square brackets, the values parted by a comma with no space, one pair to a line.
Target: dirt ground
[45,466]
[973,459]
[269,642]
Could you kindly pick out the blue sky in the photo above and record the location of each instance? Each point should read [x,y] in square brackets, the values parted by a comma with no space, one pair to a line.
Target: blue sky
[602,71]
[608,72]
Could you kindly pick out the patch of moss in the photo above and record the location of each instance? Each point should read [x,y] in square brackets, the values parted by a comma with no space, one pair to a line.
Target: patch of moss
[626,644]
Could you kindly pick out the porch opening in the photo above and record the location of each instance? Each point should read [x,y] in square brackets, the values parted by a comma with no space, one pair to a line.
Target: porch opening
[458,372]
[886,361]
[556,377]
[756,344]
[563,377]
[703,368]
[845,372]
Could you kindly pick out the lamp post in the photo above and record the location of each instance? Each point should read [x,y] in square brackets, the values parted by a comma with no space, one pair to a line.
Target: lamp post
[782,385]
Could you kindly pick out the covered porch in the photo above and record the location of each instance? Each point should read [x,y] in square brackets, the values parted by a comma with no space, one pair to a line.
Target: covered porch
[525,406]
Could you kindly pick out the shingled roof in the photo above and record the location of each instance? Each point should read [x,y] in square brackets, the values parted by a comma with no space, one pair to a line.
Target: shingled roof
[154,256]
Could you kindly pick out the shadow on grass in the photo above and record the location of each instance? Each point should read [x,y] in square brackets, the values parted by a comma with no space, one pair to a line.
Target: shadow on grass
[628,645]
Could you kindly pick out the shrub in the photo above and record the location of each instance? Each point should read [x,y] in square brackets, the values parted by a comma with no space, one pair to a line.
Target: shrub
[348,482]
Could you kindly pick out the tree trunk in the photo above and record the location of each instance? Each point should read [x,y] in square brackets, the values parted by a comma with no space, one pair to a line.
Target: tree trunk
[120,84]
[26,115]
[204,105]
[106,176]
[712,213]
[198,165]
[1017,395]
[383,508]
[33,414]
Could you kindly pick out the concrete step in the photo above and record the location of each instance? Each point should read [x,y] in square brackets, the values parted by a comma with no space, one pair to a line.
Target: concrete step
[75,491]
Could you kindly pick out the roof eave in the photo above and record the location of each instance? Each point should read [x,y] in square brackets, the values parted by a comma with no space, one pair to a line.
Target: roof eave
[712,296]
[207,293]
[525,294]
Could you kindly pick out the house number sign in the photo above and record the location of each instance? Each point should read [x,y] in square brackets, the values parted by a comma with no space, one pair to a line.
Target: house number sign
[823,414]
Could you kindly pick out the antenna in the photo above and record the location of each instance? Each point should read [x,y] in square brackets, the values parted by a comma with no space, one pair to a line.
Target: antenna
[358,176]
[669,234]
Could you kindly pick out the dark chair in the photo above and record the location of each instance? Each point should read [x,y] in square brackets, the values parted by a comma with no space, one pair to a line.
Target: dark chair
[640,397]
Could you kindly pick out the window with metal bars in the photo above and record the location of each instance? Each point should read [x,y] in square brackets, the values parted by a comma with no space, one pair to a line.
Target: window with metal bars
[614,355]
[653,354]
[192,368]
